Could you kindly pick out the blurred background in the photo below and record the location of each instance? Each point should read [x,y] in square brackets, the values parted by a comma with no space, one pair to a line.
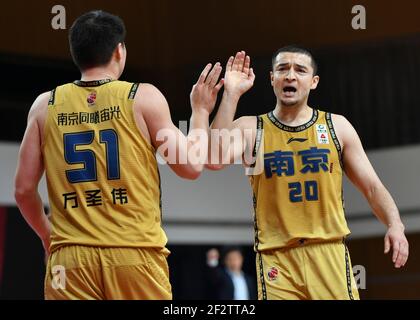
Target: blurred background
[371,76]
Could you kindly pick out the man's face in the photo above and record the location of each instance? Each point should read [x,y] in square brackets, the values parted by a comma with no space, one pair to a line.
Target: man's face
[234,260]
[292,78]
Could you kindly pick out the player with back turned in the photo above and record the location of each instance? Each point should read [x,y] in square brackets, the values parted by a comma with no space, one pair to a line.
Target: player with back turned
[96,139]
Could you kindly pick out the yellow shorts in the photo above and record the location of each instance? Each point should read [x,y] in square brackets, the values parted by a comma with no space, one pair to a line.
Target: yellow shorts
[94,273]
[314,271]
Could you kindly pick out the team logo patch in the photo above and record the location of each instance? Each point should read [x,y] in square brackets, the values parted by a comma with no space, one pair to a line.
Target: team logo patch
[272,273]
[322,134]
[91,99]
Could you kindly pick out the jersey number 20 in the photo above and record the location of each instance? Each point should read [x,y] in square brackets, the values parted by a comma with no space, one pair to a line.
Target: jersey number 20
[311,191]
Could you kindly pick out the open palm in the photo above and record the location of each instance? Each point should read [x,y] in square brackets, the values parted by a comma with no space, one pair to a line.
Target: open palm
[204,92]
[239,77]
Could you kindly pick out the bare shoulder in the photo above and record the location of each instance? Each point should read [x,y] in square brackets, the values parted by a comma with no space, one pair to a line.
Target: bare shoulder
[148,94]
[150,103]
[41,102]
[344,129]
[39,108]
[339,119]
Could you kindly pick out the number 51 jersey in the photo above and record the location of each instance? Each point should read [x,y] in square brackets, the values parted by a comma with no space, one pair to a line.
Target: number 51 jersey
[102,174]
[299,193]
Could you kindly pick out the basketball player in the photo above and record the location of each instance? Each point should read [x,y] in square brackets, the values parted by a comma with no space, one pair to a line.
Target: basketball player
[300,226]
[97,138]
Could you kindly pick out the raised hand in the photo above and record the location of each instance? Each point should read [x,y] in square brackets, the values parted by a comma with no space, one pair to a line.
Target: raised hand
[239,76]
[204,93]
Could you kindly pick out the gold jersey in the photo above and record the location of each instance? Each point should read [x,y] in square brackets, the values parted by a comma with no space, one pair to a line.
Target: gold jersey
[298,196]
[102,174]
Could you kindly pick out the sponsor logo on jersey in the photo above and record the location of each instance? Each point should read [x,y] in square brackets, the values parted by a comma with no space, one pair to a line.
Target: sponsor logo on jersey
[272,273]
[322,134]
[296,139]
[91,99]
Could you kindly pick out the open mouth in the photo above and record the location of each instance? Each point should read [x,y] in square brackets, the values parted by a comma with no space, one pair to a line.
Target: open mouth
[289,89]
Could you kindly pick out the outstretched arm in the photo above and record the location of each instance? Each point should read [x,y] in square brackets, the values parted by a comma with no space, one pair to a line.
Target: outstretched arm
[29,171]
[239,78]
[185,155]
[361,173]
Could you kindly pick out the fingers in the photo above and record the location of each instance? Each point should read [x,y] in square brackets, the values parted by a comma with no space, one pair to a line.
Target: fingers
[247,64]
[238,63]
[210,75]
[402,255]
[405,253]
[204,74]
[387,244]
[219,85]
[214,75]
[251,75]
[229,64]
[395,251]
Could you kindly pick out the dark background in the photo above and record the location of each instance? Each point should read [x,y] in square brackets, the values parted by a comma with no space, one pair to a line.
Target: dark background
[371,76]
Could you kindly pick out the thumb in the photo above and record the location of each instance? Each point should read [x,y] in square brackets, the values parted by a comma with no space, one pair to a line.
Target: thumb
[387,244]
[219,85]
[251,75]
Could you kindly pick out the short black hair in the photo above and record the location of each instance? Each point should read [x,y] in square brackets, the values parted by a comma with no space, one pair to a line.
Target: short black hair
[230,248]
[93,38]
[296,49]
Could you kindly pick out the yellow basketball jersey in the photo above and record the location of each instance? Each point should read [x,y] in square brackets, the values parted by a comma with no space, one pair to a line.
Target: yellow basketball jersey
[298,196]
[102,174]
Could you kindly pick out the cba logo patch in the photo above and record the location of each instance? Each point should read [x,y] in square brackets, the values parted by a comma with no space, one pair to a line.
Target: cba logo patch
[272,273]
[91,98]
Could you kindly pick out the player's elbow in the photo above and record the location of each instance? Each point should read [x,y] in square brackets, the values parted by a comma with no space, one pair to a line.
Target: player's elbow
[190,175]
[193,176]
[189,172]
[22,192]
[214,167]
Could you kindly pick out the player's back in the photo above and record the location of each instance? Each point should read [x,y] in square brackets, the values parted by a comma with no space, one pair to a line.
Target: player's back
[102,175]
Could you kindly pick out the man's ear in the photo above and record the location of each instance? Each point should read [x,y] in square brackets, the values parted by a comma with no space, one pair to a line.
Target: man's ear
[119,51]
[315,81]
[271,77]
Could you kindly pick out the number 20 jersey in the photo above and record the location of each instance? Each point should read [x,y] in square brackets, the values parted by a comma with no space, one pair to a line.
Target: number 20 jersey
[102,174]
[299,193]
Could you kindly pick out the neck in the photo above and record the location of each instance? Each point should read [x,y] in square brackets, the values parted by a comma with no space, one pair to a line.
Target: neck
[296,114]
[98,73]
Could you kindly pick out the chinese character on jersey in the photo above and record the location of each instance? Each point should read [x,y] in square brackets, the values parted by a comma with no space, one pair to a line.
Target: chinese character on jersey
[73,118]
[84,117]
[313,159]
[93,198]
[105,115]
[94,117]
[119,195]
[115,112]
[279,162]
[62,119]
[71,196]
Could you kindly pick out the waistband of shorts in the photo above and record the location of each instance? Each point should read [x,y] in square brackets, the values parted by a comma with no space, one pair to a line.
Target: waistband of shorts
[305,242]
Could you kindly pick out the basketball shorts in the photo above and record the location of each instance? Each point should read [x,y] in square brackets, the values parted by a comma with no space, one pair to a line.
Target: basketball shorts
[308,271]
[94,273]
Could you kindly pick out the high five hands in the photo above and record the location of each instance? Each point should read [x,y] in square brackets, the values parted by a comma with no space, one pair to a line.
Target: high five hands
[239,78]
